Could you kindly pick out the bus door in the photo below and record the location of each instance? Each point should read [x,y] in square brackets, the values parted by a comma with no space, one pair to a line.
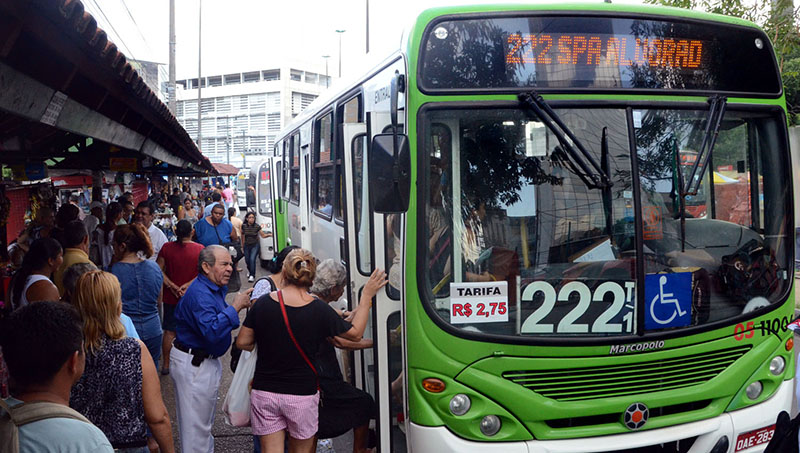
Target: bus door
[265,210]
[385,371]
[279,224]
[305,204]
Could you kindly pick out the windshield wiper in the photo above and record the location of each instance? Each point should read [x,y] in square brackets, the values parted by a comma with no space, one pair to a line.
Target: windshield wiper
[606,190]
[588,169]
[715,114]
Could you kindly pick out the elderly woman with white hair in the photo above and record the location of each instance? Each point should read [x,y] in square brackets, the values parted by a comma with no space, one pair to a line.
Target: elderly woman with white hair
[343,407]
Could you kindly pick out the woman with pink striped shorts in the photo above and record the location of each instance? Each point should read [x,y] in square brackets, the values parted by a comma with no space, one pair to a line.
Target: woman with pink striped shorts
[285,393]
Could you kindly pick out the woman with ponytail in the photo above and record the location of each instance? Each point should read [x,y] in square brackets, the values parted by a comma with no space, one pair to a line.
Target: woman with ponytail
[141,281]
[288,326]
[32,281]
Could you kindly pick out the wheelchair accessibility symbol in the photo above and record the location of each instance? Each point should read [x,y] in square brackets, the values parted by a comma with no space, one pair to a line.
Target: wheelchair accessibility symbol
[669,300]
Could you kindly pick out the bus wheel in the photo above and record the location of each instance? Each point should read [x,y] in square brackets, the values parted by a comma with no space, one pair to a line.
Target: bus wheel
[263,263]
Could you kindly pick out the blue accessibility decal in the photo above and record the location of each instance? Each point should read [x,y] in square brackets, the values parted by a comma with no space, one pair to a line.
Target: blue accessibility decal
[669,300]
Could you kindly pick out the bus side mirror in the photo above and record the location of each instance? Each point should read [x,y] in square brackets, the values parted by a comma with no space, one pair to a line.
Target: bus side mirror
[389,177]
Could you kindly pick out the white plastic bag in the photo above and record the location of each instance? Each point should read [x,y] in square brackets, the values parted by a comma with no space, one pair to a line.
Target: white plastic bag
[236,406]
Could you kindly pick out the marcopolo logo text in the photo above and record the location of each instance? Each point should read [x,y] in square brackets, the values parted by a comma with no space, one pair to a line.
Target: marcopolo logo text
[636,347]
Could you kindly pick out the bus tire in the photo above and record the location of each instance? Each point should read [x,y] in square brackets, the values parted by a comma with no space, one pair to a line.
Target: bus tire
[263,263]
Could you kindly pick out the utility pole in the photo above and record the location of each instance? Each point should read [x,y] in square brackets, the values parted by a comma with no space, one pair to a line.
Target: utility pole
[367,26]
[340,51]
[199,72]
[228,139]
[171,86]
[327,79]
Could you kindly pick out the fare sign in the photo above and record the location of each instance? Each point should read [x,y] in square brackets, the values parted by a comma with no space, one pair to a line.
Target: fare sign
[753,438]
[478,302]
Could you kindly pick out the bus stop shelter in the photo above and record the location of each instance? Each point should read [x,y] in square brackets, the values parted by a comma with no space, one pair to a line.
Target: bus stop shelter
[71,100]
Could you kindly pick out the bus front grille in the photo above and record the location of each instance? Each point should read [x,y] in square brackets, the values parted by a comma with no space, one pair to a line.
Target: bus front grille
[577,384]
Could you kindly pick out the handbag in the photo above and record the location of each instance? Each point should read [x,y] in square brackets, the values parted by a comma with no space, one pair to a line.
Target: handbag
[296,345]
[236,406]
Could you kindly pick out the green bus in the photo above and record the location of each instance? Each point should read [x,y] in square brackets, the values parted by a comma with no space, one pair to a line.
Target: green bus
[518,171]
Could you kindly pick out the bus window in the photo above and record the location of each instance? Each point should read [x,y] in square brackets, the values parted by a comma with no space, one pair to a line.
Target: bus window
[396,382]
[324,166]
[294,172]
[348,113]
[361,206]
[264,190]
[736,257]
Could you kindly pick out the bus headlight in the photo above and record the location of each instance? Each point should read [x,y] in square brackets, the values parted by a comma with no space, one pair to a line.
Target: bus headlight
[490,425]
[753,390]
[777,365]
[460,404]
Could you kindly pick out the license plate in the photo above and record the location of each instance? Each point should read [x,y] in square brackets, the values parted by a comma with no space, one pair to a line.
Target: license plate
[753,438]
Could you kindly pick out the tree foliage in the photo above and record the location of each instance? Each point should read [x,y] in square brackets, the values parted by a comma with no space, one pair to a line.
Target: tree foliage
[779,19]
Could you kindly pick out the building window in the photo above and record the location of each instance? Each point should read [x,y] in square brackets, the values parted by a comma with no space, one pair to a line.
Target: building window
[300,101]
[242,107]
[207,106]
[258,124]
[258,102]
[295,75]
[233,79]
[273,122]
[273,103]
[272,74]
[223,105]
[324,166]
[249,77]
[311,78]
[179,109]
[215,81]
[190,108]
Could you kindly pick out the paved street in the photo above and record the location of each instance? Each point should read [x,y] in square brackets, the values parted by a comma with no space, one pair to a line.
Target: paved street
[226,437]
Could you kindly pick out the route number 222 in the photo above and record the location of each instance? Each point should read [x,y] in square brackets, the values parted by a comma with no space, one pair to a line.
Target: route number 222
[622,302]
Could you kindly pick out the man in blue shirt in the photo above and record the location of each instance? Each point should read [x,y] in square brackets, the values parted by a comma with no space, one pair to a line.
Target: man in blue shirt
[215,228]
[43,347]
[203,333]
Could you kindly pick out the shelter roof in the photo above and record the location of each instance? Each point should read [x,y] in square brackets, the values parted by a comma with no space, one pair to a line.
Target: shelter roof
[64,86]
[226,169]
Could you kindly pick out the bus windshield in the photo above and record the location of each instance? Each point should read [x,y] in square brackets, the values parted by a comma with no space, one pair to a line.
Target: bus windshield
[505,209]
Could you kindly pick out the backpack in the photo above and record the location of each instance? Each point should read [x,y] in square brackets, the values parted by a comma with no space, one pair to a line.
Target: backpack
[25,413]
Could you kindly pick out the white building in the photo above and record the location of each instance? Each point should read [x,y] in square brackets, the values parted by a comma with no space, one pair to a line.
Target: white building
[242,112]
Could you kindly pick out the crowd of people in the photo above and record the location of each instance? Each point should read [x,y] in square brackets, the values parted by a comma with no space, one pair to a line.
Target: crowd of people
[96,307]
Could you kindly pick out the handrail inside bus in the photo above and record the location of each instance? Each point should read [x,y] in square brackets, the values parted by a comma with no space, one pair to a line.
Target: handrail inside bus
[594,177]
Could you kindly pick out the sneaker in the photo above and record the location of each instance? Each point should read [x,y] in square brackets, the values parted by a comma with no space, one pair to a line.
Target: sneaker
[251,279]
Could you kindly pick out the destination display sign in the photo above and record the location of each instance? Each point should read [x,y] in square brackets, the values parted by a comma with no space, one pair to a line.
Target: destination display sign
[595,52]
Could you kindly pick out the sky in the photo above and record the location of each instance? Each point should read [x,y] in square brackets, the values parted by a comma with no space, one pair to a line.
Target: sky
[244,35]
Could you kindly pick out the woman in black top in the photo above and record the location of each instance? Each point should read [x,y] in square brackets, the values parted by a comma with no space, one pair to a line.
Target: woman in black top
[285,393]
[251,231]
[344,407]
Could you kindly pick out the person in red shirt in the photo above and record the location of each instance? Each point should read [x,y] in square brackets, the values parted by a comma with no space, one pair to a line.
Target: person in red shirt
[176,260]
